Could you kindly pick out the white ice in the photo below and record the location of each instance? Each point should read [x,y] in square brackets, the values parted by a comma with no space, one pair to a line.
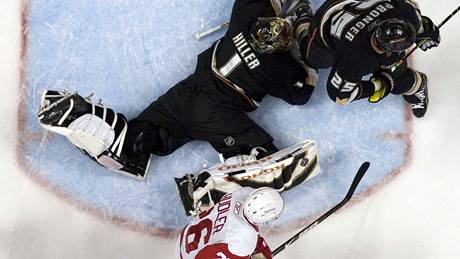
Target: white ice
[414,216]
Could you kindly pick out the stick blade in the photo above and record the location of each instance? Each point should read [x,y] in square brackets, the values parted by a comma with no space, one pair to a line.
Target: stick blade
[359,175]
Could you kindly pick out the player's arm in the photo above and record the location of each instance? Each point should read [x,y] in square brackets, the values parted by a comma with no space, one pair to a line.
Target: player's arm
[297,92]
[345,83]
[219,250]
[247,11]
[429,37]
[427,32]
[301,15]
[262,250]
[277,6]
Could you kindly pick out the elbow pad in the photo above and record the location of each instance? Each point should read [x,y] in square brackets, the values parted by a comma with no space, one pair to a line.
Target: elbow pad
[341,91]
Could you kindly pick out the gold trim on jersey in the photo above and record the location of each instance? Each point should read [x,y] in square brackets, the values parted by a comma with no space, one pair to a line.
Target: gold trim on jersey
[417,84]
[332,10]
[276,4]
[219,75]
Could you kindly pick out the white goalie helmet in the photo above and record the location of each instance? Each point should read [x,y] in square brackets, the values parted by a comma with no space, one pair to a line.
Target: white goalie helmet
[263,205]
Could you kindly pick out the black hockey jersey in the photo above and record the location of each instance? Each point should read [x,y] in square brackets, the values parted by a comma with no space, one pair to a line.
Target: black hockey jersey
[342,31]
[254,75]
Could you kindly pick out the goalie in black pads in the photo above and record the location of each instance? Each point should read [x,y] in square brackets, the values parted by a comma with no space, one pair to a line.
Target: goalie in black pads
[359,38]
[231,78]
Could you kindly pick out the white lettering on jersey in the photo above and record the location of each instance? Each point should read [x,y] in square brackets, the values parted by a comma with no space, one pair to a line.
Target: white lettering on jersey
[336,81]
[369,3]
[339,22]
[341,19]
[222,209]
[243,48]
[342,85]
[231,64]
[219,226]
[348,87]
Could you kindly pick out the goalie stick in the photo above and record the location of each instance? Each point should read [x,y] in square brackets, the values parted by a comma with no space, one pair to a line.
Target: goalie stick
[359,175]
[200,35]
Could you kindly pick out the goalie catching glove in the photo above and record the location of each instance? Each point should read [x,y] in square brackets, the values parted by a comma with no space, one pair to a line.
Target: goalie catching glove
[281,171]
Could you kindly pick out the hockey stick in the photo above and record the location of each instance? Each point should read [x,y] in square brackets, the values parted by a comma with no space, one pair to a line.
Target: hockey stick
[359,175]
[439,26]
[200,35]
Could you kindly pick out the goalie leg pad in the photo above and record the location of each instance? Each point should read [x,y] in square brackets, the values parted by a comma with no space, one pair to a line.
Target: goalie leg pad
[286,173]
[95,129]
[282,170]
[92,134]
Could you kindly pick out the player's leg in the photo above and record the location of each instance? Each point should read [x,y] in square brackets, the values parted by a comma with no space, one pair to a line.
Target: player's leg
[228,129]
[413,85]
[418,95]
[161,127]
[249,157]
[96,130]
[315,52]
[240,140]
[109,139]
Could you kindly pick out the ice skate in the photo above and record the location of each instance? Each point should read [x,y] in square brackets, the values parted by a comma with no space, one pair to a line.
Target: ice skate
[419,100]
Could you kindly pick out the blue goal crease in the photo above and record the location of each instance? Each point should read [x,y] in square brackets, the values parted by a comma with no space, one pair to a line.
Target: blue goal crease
[130,52]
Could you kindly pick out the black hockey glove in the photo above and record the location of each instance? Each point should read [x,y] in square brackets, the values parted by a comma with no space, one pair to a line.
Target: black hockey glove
[383,83]
[430,36]
[300,12]
[301,15]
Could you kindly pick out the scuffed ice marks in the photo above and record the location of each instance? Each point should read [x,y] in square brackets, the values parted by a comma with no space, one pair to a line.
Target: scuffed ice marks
[134,49]
[130,52]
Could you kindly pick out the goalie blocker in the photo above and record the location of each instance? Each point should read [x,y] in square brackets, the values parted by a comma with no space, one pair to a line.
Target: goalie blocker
[96,130]
[282,171]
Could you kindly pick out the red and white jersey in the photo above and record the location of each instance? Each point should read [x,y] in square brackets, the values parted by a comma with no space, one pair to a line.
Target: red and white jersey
[222,232]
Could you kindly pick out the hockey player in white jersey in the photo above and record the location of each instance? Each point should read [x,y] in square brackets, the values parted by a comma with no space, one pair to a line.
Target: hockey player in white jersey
[230,229]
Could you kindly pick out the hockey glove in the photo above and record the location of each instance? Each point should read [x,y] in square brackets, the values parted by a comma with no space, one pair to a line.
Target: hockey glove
[301,15]
[300,12]
[262,250]
[430,36]
[383,84]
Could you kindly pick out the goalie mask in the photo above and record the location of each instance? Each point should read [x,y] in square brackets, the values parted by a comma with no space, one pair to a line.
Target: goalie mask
[271,34]
[395,35]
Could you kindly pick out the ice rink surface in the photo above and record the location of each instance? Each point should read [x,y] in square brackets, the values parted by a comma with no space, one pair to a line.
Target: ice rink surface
[60,212]
[125,54]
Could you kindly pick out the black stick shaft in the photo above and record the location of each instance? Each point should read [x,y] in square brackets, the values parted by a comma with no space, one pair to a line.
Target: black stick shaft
[359,175]
[448,17]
